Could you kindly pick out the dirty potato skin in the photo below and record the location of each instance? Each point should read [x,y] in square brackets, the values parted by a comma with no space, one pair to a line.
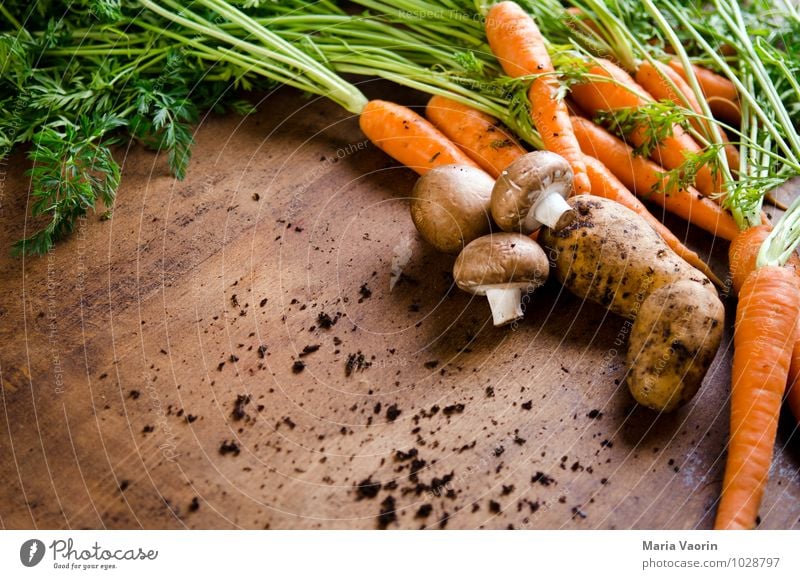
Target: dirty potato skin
[611,256]
[672,343]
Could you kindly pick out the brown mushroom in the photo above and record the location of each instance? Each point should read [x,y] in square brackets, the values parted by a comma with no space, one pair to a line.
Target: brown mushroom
[500,266]
[531,192]
[450,206]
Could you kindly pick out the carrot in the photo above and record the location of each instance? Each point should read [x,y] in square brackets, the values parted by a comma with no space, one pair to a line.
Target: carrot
[742,256]
[519,46]
[407,137]
[743,252]
[723,100]
[649,75]
[644,178]
[482,137]
[766,322]
[605,184]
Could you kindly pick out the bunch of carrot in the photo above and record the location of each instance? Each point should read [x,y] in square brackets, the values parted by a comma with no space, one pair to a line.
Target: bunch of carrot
[522,51]
[766,326]
[764,267]
[767,350]
[766,331]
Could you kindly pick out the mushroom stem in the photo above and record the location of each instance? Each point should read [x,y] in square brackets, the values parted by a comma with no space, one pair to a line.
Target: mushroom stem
[553,211]
[506,304]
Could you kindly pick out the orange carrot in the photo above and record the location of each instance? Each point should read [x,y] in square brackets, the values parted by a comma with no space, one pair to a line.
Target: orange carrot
[723,100]
[743,252]
[644,178]
[482,137]
[766,323]
[605,184]
[742,256]
[620,92]
[407,137]
[649,75]
[519,46]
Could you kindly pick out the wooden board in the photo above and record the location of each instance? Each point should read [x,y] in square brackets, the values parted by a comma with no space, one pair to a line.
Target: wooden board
[123,353]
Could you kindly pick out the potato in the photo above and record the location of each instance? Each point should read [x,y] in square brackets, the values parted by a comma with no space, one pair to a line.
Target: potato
[611,256]
[673,341]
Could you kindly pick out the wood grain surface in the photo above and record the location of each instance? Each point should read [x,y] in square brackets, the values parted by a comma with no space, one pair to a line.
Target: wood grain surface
[225,352]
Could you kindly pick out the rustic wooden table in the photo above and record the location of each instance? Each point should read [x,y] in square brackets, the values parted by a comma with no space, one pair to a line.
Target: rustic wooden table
[225,353]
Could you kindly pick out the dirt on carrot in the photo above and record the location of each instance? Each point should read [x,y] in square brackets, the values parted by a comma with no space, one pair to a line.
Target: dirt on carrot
[482,138]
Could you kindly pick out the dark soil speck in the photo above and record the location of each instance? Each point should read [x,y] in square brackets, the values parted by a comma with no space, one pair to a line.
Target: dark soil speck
[238,412]
[367,489]
[392,413]
[542,479]
[229,448]
[424,511]
[453,409]
[387,515]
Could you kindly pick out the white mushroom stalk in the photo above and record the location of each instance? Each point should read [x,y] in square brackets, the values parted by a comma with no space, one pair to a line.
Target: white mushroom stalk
[551,210]
[505,301]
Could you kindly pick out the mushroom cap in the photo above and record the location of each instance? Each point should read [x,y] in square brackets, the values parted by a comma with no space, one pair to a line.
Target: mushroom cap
[498,260]
[522,184]
[450,206]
